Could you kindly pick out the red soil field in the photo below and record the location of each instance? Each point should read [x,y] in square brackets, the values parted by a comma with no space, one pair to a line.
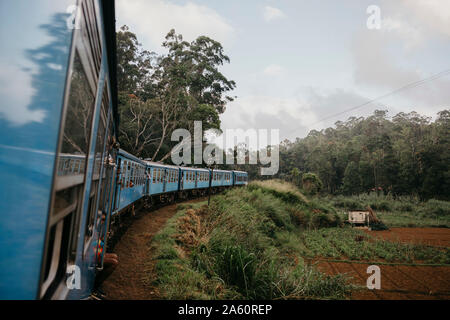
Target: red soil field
[400,282]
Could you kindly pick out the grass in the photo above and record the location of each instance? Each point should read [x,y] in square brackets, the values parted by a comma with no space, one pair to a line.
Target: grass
[353,244]
[245,246]
[255,243]
[399,212]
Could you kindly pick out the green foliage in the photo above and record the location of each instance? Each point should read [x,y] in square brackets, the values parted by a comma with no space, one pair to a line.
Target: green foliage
[295,177]
[354,244]
[251,247]
[405,155]
[352,179]
[311,183]
[160,93]
[404,211]
[435,208]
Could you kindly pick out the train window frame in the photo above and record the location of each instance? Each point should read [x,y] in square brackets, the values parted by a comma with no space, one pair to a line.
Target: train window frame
[61,235]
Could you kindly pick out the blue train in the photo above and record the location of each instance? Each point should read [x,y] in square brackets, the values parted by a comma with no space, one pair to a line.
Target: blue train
[64,177]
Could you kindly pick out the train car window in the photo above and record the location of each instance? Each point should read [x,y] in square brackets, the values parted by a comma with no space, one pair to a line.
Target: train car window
[154,175]
[95,198]
[61,240]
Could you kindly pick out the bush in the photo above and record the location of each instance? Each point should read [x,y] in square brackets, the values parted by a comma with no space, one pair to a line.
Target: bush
[249,247]
[435,208]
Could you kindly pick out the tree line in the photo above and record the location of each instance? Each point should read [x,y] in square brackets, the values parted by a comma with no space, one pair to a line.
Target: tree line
[406,155]
[158,93]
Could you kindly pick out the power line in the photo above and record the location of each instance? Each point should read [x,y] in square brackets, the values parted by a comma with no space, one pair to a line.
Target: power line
[408,86]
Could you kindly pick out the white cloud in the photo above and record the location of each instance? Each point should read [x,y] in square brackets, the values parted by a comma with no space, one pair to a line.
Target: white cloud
[411,35]
[153,19]
[416,21]
[271,13]
[17,91]
[294,116]
[274,70]
[386,59]
[434,15]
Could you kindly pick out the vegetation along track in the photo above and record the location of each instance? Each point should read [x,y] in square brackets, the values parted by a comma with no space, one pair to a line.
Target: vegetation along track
[126,282]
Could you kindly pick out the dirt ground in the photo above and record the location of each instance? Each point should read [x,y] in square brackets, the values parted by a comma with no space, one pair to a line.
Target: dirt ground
[397,281]
[431,236]
[400,282]
[126,282]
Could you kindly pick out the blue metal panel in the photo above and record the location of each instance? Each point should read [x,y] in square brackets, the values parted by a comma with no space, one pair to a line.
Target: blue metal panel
[240,178]
[218,178]
[203,178]
[86,254]
[129,191]
[156,183]
[33,72]
[172,176]
[188,178]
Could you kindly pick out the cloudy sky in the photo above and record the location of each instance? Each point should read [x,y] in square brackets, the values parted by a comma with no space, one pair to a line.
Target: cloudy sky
[299,63]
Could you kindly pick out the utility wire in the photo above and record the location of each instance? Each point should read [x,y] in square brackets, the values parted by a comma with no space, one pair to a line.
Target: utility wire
[408,86]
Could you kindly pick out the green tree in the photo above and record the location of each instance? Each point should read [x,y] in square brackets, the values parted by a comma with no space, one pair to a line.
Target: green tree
[295,176]
[352,179]
[311,183]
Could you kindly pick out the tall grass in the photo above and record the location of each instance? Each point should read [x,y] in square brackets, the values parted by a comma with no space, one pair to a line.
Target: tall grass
[405,211]
[245,246]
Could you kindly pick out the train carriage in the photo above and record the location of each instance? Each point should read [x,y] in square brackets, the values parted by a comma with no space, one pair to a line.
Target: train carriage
[203,178]
[240,178]
[131,180]
[220,178]
[53,154]
[161,178]
[64,176]
[193,178]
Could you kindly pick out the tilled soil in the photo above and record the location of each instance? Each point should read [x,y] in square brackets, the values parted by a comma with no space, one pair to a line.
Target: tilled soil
[431,236]
[400,282]
[397,281]
[127,281]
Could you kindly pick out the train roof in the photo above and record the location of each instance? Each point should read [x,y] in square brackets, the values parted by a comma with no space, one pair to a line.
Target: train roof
[237,171]
[130,156]
[158,164]
[194,169]
[220,170]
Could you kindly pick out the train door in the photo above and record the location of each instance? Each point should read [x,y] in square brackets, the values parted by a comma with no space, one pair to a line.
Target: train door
[166,172]
[107,186]
[148,180]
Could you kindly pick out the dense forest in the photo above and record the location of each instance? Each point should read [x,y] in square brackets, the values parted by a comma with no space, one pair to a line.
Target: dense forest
[408,154]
